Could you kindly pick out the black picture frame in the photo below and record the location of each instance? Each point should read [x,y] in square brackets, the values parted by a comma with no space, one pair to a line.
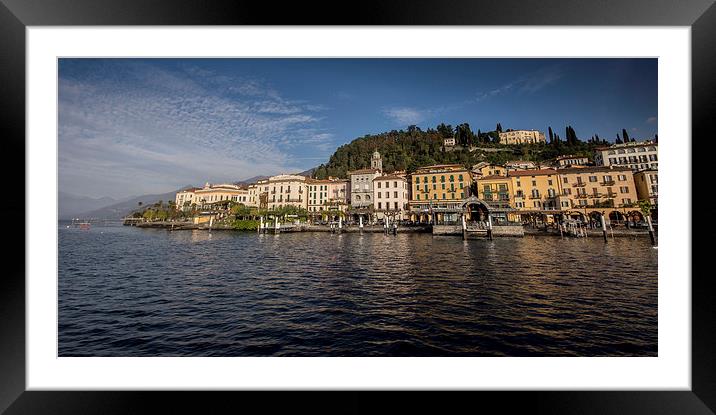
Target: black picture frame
[15,15]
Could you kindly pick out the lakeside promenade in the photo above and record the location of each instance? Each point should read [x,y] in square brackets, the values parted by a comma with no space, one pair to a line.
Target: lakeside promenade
[498,230]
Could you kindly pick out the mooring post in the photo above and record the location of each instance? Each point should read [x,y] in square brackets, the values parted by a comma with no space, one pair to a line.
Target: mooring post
[489,226]
[340,223]
[360,223]
[464,227]
[651,230]
[275,225]
[261,224]
[604,227]
[561,233]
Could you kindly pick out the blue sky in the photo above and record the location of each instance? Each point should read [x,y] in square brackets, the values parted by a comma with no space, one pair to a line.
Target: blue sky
[136,126]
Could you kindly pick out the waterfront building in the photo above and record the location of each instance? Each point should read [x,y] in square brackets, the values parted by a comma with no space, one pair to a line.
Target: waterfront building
[522,137]
[253,189]
[535,190]
[597,187]
[184,199]
[444,185]
[326,195]
[496,192]
[362,187]
[647,185]
[637,156]
[211,194]
[570,161]
[286,190]
[390,196]
[361,183]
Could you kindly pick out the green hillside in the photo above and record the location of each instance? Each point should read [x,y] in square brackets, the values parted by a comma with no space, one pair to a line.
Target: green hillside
[413,148]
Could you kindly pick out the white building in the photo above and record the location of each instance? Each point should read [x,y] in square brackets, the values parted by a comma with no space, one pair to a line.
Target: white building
[185,198]
[570,161]
[361,186]
[449,142]
[328,194]
[286,190]
[637,156]
[390,196]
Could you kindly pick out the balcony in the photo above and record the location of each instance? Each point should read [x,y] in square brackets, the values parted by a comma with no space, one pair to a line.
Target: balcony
[581,195]
[579,184]
[610,195]
[608,183]
[535,197]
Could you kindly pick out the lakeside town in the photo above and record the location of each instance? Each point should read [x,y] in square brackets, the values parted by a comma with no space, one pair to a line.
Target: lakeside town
[615,190]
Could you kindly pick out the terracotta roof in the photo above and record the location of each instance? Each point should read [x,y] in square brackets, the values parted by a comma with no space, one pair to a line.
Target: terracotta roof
[491,177]
[446,167]
[390,177]
[541,172]
[593,169]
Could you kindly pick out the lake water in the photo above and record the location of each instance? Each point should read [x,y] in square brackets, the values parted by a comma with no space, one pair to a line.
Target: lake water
[125,291]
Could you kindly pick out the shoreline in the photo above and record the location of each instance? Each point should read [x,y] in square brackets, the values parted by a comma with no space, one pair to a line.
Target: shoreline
[527,231]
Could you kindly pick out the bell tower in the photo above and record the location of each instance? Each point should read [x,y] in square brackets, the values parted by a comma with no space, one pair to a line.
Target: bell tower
[376,162]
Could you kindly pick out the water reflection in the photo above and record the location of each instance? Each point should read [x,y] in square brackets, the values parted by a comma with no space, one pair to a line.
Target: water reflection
[136,292]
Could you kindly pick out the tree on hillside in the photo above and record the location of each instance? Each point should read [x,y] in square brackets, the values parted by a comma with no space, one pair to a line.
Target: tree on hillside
[656,138]
[498,128]
[445,131]
[551,134]
[618,140]
[625,135]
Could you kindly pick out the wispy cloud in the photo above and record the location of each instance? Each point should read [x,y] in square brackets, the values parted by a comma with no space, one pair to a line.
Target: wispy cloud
[405,115]
[651,120]
[143,128]
[528,84]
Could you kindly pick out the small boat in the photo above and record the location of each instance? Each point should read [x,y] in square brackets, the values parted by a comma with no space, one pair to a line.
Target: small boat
[84,225]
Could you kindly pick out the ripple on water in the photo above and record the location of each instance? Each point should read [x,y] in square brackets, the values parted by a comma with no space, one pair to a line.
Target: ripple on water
[137,292]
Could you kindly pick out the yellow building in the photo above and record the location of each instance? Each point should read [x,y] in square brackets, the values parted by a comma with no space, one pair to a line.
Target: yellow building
[440,182]
[647,185]
[485,169]
[495,191]
[522,137]
[438,188]
[597,187]
[535,190]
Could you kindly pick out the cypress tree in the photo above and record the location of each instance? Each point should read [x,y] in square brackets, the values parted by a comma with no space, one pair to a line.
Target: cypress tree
[551,134]
[625,135]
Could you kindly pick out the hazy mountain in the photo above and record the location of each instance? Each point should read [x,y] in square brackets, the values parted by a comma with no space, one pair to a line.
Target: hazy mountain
[122,209]
[72,206]
[251,180]
[308,172]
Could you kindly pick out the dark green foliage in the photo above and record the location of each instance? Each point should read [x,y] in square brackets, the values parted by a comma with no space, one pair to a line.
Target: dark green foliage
[245,225]
[408,150]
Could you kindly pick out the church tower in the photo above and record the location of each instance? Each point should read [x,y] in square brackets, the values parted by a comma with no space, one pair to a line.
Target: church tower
[376,162]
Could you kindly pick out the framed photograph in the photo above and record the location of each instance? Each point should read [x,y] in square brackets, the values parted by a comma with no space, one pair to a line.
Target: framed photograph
[410,197]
